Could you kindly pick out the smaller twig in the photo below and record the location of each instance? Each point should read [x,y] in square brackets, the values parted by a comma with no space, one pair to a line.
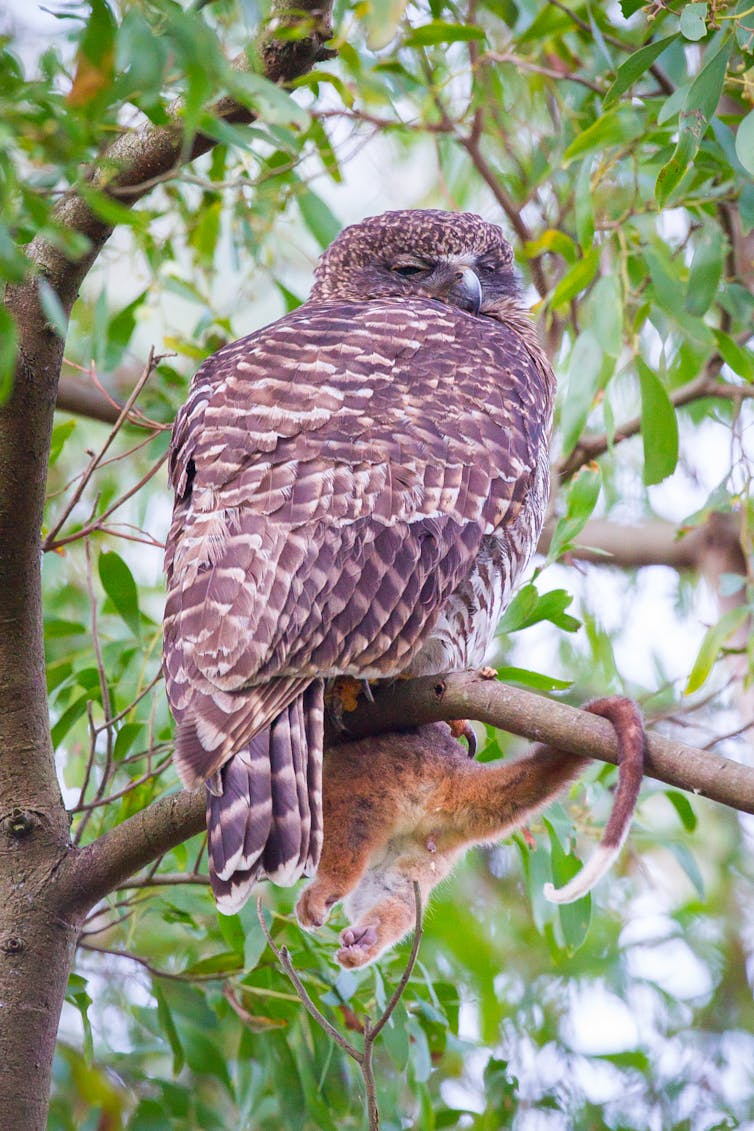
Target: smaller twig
[91,757]
[90,527]
[214,977]
[143,538]
[127,710]
[371,1031]
[547,72]
[705,385]
[283,957]
[374,1030]
[100,801]
[106,708]
[737,733]
[165,879]
[112,915]
[97,458]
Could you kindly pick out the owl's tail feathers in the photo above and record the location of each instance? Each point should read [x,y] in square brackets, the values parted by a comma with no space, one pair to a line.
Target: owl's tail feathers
[264,815]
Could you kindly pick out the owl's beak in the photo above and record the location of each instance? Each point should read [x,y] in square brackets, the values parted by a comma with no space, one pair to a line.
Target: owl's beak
[458,284]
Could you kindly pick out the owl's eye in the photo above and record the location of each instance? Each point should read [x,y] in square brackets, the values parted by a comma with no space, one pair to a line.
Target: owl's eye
[407,269]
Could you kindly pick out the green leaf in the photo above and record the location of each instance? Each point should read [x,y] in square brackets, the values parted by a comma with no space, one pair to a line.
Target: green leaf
[8,352]
[382,18]
[272,104]
[553,240]
[112,211]
[694,21]
[320,221]
[713,641]
[69,717]
[117,581]
[77,995]
[440,31]
[745,142]
[706,271]
[583,493]
[689,865]
[701,103]
[576,279]
[615,127]
[636,66]
[583,205]
[537,680]
[127,735]
[682,806]
[528,608]
[739,358]
[227,962]
[60,433]
[670,294]
[167,1024]
[584,371]
[603,314]
[574,917]
[659,426]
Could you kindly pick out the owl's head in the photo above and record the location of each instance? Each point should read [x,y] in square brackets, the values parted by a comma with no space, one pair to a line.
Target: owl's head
[456,257]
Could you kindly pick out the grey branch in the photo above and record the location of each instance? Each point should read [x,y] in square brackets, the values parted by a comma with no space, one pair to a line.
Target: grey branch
[97,869]
[467,695]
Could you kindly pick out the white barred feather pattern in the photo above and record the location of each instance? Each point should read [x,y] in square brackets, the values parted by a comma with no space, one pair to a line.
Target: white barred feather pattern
[357,488]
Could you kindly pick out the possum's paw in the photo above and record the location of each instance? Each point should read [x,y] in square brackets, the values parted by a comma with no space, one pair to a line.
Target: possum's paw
[361,945]
[314,906]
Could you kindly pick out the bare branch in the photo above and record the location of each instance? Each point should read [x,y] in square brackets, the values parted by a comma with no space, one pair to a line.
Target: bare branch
[50,542]
[468,695]
[94,871]
[99,867]
[374,1030]
[706,385]
[365,1058]
[284,958]
[84,400]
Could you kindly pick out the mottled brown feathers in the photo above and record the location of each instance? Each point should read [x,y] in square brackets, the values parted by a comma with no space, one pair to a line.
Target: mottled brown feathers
[358,486]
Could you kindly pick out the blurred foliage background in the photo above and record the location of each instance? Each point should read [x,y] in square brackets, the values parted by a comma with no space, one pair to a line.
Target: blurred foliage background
[615,144]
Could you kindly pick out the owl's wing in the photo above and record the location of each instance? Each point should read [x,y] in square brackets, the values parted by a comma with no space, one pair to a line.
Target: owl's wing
[335,474]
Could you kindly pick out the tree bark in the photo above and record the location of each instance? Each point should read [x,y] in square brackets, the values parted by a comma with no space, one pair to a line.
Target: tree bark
[88,874]
[43,900]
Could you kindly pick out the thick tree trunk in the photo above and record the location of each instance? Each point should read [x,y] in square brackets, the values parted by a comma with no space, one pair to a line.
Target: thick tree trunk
[45,884]
[36,942]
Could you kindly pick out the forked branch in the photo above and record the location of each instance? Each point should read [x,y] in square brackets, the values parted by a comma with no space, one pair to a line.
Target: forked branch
[364,1057]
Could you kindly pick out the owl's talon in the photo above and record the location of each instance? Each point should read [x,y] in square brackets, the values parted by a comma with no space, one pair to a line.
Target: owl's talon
[462,728]
[487,673]
[343,695]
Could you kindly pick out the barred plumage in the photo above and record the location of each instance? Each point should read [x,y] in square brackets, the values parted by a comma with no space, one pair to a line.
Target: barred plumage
[357,487]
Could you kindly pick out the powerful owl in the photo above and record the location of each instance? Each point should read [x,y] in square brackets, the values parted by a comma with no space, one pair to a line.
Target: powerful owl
[357,488]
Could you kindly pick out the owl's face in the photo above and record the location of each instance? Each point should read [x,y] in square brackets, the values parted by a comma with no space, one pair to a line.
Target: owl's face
[455,257]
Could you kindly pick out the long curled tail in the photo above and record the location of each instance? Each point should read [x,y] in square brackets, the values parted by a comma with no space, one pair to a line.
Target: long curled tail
[264,814]
[632,744]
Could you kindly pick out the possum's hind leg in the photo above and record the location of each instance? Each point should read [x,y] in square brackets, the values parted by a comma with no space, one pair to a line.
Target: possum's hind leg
[389,915]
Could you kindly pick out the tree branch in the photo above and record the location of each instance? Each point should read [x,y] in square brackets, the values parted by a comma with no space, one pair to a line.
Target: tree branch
[95,870]
[411,703]
[657,542]
[706,385]
[139,156]
[85,400]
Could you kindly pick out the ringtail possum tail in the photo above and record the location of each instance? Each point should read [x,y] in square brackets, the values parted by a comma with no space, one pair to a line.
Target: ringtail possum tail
[391,821]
